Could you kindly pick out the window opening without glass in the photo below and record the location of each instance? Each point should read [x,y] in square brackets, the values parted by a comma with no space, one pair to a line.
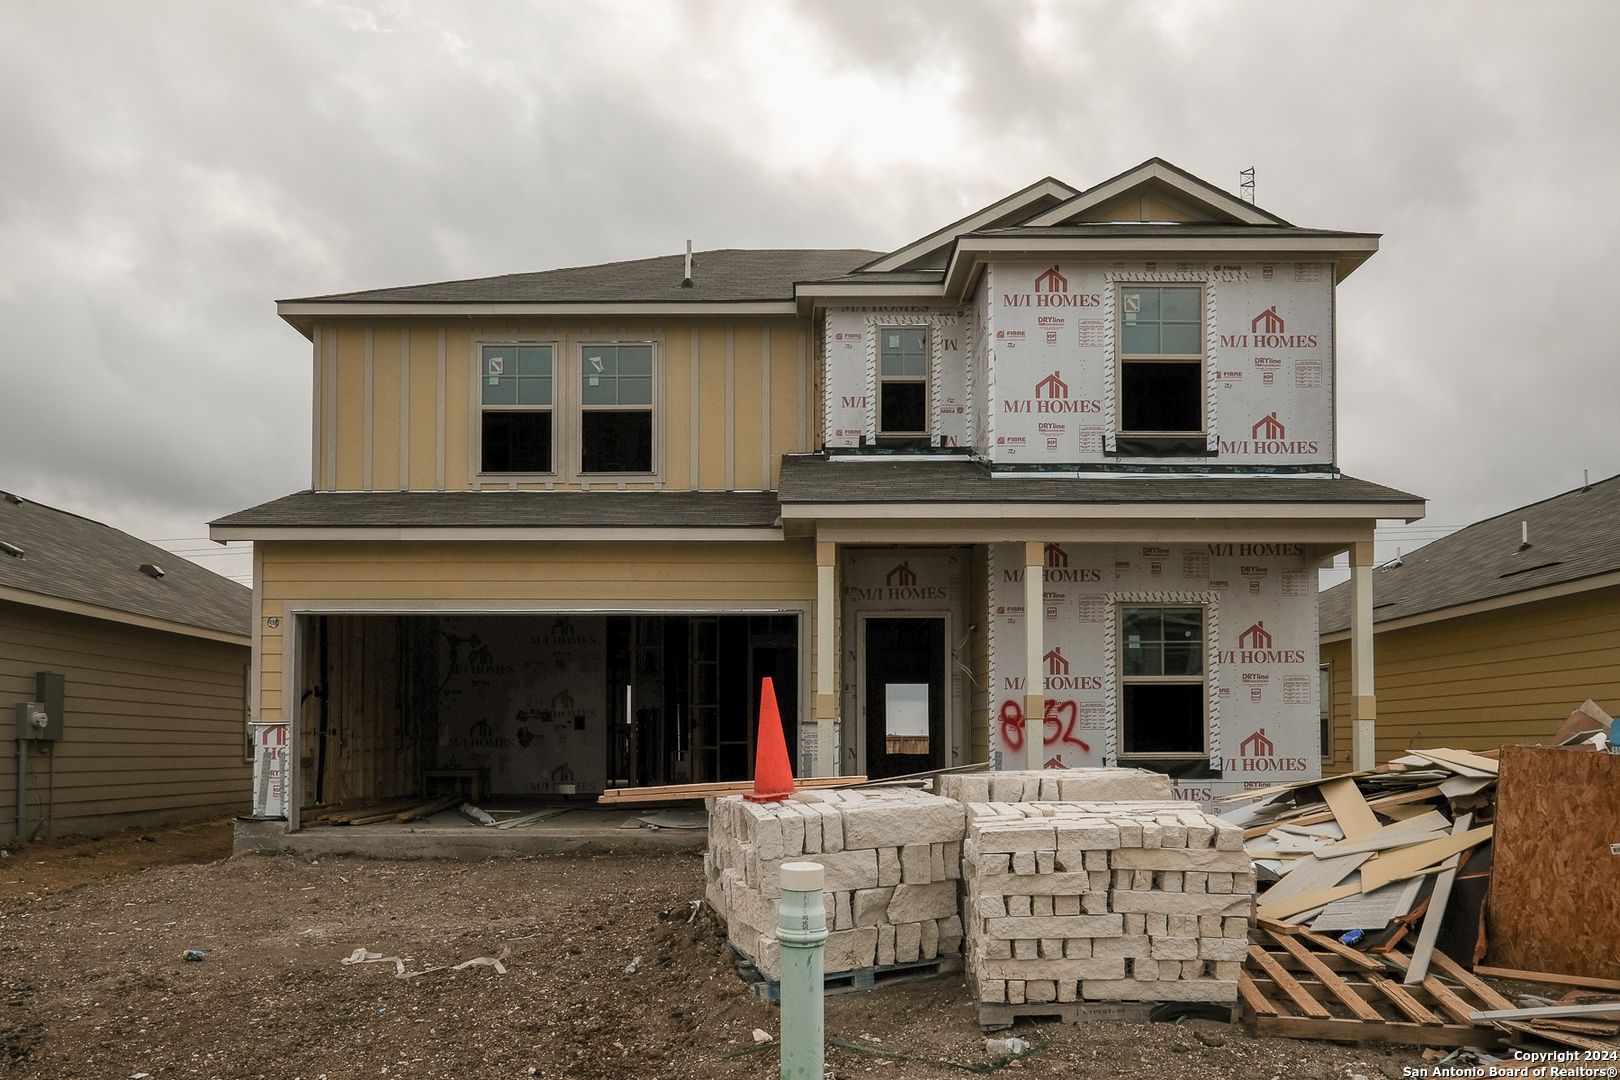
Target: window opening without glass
[902,380]
[1162,682]
[1161,365]
[516,383]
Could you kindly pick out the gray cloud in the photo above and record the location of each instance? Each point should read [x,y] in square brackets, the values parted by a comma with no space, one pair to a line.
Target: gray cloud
[172,168]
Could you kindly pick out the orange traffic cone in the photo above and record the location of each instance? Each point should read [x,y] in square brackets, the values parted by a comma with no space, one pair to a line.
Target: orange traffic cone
[773,775]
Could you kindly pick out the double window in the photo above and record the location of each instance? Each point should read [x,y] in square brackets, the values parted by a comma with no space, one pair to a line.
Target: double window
[902,378]
[1162,683]
[1161,359]
[599,417]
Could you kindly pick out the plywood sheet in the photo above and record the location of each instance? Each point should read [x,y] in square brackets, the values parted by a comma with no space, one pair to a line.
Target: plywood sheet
[1555,893]
[1349,808]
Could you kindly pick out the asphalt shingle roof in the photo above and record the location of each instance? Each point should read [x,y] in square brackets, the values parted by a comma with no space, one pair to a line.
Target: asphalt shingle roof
[724,275]
[1572,536]
[511,509]
[814,478]
[73,558]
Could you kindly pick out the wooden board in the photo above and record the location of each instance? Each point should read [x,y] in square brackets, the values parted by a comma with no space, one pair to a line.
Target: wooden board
[1350,810]
[1461,758]
[1409,862]
[1547,977]
[672,792]
[1555,890]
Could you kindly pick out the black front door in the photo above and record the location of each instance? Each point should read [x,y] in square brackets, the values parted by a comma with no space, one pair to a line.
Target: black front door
[905,695]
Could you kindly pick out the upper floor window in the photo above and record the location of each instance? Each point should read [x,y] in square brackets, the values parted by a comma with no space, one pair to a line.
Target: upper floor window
[1161,359]
[616,409]
[902,379]
[516,413]
[1163,696]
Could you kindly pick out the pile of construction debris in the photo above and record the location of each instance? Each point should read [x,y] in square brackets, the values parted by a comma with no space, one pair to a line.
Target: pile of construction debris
[1372,919]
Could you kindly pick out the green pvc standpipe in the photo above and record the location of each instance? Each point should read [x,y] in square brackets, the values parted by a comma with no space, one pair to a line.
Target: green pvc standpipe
[801,930]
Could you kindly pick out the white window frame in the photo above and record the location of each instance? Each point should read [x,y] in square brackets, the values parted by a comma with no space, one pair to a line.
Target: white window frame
[1121,359]
[1204,680]
[556,408]
[576,409]
[925,380]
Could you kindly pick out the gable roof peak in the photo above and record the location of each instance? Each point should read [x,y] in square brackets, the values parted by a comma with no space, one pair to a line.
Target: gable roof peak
[1158,185]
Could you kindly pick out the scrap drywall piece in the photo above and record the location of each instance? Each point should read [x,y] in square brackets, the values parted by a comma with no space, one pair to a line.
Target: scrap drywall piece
[1419,859]
[1460,762]
[1312,875]
[1294,905]
[1436,914]
[1430,826]
[1350,810]
[1462,786]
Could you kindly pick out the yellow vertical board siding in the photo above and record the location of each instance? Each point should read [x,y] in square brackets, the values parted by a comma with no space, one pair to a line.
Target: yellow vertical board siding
[385,394]
[351,406]
[424,376]
[711,408]
[676,420]
[748,424]
[153,725]
[1481,681]
[787,397]
[458,407]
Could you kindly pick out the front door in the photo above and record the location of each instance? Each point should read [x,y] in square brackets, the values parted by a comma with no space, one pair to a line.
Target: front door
[905,695]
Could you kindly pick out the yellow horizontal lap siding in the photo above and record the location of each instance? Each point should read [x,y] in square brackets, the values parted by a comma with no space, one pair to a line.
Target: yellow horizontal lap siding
[1507,676]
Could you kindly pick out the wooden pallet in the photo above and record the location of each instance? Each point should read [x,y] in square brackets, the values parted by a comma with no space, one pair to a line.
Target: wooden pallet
[847,982]
[1303,985]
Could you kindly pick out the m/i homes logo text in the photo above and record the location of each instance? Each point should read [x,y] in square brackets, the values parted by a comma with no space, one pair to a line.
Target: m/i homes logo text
[1058,677]
[1269,436]
[1268,330]
[1051,290]
[1051,396]
[1255,646]
[900,583]
[1257,753]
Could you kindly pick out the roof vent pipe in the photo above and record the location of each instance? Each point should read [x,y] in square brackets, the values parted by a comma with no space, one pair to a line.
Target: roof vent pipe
[1524,535]
[686,281]
[11,549]
[152,570]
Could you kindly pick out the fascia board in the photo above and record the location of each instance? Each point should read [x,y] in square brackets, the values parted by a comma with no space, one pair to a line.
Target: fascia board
[1307,534]
[972,251]
[127,618]
[457,534]
[895,260]
[814,295]
[1492,603]
[1181,511]
[1198,193]
[300,315]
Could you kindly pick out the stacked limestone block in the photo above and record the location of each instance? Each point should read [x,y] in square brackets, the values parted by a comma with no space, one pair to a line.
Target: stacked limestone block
[1094,901]
[893,858]
[1057,785]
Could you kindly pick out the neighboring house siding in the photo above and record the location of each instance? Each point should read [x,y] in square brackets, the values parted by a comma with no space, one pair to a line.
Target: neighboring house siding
[154,723]
[1482,681]
[497,576]
[733,397]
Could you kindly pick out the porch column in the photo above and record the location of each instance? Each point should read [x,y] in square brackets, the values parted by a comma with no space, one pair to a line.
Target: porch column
[1034,655]
[826,657]
[1363,701]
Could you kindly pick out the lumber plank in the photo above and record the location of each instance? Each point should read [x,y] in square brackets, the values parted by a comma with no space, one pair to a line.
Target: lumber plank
[428,808]
[1412,861]
[716,790]
[1437,910]
[1547,977]
[1301,997]
[1390,1031]
[1403,1001]
[1349,808]
[1467,978]
[1454,1006]
[1252,995]
[1329,978]
[1293,905]
[1420,795]
[1568,1038]
[1333,945]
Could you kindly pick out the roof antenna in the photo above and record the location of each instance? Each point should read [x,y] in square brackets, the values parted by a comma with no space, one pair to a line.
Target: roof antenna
[686,282]
[1246,188]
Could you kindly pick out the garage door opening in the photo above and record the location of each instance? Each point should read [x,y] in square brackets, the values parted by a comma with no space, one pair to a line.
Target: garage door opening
[536,705]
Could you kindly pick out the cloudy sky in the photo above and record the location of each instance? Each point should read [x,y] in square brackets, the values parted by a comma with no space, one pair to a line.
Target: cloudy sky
[170,169]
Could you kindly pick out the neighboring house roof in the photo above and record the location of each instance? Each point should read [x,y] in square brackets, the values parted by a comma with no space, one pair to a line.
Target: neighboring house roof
[69,562]
[664,512]
[724,275]
[1574,540]
[821,479]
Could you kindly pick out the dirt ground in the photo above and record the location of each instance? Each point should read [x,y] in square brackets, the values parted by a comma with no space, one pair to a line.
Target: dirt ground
[93,983]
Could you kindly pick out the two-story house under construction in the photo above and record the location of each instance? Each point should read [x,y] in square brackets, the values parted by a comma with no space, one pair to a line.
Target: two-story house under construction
[1048,486]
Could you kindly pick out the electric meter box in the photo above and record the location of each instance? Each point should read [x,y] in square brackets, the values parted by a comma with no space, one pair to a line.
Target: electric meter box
[42,719]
